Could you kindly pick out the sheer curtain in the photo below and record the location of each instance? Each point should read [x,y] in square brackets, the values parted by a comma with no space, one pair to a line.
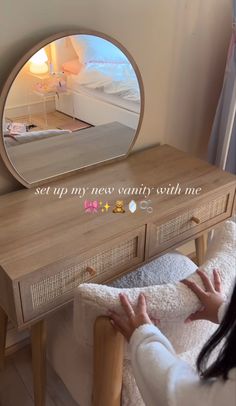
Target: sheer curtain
[222,144]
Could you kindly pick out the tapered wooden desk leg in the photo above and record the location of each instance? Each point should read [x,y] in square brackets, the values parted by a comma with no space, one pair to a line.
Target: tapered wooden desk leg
[3,336]
[200,249]
[107,364]
[38,342]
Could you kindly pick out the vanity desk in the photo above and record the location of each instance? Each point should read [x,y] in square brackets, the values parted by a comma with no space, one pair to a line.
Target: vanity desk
[49,245]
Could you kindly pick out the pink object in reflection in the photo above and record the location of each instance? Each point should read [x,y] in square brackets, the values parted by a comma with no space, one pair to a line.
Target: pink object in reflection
[91,206]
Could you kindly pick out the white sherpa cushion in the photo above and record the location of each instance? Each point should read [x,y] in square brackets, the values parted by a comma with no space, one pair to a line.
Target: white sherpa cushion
[171,303]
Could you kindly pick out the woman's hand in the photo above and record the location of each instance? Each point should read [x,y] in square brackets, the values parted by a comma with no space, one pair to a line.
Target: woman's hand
[132,319]
[211,299]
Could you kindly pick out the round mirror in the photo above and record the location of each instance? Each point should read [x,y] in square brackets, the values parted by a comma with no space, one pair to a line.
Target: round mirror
[72,102]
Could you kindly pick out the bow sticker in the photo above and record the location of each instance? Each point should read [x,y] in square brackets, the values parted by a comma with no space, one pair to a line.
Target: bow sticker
[91,206]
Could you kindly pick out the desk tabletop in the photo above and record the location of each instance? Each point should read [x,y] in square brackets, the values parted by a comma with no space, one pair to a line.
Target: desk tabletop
[38,226]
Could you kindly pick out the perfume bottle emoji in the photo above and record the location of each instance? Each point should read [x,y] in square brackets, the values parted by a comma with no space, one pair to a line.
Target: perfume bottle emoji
[119,207]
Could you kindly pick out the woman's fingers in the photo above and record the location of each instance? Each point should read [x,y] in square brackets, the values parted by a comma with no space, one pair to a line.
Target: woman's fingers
[217,280]
[199,315]
[127,306]
[118,322]
[199,292]
[142,306]
[206,281]
[118,328]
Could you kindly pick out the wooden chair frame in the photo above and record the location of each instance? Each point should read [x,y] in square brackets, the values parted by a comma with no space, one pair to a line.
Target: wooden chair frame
[107,364]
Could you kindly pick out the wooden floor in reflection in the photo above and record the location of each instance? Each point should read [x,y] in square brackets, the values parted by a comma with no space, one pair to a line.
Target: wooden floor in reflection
[53,120]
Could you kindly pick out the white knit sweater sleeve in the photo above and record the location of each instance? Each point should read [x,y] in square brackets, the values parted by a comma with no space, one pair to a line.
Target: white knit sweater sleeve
[164,379]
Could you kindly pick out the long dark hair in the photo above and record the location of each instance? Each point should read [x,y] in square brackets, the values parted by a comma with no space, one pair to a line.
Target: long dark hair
[226,359]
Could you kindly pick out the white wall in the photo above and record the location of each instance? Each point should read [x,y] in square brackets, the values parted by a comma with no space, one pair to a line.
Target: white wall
[179,45]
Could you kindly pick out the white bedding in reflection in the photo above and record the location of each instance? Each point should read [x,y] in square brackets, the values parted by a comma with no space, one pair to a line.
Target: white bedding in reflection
[23,138]
[117,79]
[98,94]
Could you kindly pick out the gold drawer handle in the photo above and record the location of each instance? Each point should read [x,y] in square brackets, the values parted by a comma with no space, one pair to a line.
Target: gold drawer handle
[195,220]
[91,271]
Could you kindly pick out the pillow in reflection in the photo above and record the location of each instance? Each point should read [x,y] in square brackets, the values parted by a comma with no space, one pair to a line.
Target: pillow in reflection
[74,66]
[90,48]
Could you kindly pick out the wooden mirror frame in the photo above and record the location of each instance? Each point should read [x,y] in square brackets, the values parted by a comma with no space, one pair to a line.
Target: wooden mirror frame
[17,68]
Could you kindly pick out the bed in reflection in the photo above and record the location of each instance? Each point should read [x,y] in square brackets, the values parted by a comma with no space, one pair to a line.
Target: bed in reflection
[102,82]
[99,98]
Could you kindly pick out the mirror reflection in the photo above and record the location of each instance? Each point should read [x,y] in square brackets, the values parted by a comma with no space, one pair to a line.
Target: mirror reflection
[75,103]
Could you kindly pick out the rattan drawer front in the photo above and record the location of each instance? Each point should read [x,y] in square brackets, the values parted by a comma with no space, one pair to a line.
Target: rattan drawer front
[50,287]
[190,222]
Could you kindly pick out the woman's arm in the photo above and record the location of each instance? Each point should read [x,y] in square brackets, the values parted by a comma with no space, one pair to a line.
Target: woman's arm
[165,380]
[162,377]
[152,358]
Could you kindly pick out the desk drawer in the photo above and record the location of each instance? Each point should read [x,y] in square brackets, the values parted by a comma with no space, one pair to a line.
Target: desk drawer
[176,228]
[48,288]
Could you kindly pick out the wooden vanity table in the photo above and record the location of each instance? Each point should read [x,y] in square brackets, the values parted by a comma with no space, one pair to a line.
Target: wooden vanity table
[49,245]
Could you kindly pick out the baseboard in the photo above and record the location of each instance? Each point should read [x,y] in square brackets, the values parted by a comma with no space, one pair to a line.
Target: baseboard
[15,337]
[16,347]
